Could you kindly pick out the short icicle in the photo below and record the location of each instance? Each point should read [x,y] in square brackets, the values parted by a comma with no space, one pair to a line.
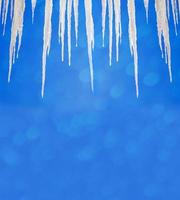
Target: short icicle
[118,28]
[62,20]
[76,16]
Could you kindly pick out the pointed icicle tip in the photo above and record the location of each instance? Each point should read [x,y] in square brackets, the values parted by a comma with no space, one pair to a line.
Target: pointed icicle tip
[146,5]
[33,3]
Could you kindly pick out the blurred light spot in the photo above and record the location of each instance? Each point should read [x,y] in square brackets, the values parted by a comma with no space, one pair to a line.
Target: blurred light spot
[32,133]
[9,156]
[84,76]
[151,79]
[116,92]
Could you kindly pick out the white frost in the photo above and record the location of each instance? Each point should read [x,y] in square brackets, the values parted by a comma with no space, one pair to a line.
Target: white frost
[47,39]
[16,31]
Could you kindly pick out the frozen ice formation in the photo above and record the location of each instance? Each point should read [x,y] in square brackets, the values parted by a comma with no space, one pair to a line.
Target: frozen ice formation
[111,10]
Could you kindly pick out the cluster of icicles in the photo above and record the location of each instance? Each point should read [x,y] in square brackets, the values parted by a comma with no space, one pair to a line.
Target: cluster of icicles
[112,8]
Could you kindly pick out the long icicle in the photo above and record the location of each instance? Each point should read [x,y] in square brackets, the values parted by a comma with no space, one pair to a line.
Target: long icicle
[33,3]
[62,20]
[16,32]
[4,14]
[118,28]
[146,5]
[110,11]
[104,7]
[69,14]
[76,5]
[46,39]
[133,39]
[163,32]
[90,36]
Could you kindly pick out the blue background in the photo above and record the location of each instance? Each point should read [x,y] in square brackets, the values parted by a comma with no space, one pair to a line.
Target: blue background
[75,145]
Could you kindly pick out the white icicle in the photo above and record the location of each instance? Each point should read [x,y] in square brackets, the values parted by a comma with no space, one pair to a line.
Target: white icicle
[62,20]
[0,6]
[76,5]
[69,13]
[110,10]
[33,3]
[133,39]
[174,5]
[104,7]
[16,32]
[4,14]
[46,39]
[12,6]
[179,6]
[163,32]
[117,11]
[90,36]
[146,5]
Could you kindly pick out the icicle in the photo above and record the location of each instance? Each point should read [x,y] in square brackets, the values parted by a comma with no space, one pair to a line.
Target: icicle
[146,5]
[62,16]
[110,10]
[90,36]
[0,6]
[117,11]
[133,39]
[16,32]
[12,6]
[76,5]
[69,13]
[47,39]
[33,2]
[163,32]
[179,6]
[4,14]
[174,5]
[104,6]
